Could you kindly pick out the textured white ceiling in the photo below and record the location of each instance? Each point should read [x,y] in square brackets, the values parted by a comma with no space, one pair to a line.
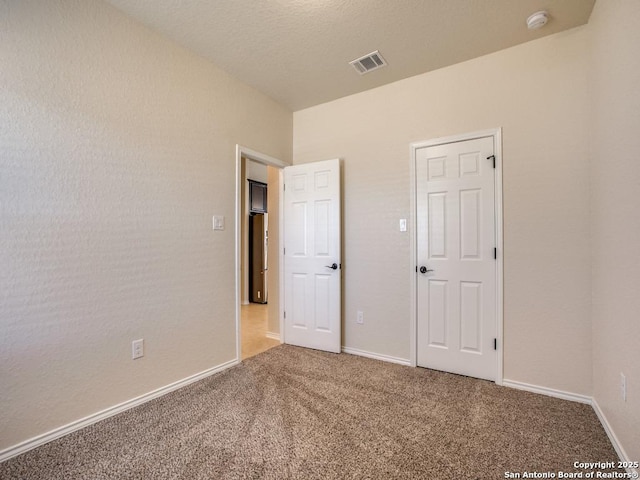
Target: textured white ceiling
[297,51]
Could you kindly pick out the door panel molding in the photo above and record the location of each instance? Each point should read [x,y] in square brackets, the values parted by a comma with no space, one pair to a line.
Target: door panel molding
[435,170]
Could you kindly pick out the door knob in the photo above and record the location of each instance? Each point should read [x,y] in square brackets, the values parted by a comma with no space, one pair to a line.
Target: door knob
[424,269]
[333,266]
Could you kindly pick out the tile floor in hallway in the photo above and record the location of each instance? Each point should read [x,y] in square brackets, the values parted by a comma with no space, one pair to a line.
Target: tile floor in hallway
[253,330]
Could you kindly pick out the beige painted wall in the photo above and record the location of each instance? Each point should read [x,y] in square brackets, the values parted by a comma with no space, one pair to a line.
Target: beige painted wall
[615,185]
[117,148]
[538,93]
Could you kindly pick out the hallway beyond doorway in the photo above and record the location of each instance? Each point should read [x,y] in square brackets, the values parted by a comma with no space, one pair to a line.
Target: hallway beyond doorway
[253,326]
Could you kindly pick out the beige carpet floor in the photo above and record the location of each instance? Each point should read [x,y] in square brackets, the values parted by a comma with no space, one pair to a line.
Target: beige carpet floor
[293,413]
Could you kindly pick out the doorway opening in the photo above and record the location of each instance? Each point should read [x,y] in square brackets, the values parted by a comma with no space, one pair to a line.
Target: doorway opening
[258,259]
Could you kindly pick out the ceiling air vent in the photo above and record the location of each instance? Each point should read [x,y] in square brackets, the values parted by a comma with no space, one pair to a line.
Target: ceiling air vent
[368,63]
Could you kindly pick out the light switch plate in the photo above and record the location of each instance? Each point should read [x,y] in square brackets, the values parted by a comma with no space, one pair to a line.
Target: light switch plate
[218,222]
[403,224]
[137,349]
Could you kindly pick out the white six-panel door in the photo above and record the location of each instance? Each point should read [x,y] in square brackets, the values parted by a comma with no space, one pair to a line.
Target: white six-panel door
[456,277]
[312,264]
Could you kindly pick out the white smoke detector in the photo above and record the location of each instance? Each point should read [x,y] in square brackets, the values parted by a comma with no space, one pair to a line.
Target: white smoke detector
[537,20]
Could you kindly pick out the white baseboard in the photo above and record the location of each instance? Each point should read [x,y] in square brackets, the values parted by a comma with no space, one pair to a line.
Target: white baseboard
[551,392]
[34,442]
[376,356]
[575,397]
[612,437]
[134,402]
[274,336]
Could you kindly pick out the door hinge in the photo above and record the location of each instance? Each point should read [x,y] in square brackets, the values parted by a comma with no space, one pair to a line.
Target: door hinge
[495,344]
[284,187]
[492,157]
[284,251]
[416,268]
[495,253]
[285,314]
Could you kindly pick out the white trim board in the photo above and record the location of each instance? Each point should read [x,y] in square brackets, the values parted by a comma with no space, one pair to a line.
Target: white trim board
[134,402]
[612,437]
[550,392]
[376,356]
[273,336]
[56,433]
[575,397]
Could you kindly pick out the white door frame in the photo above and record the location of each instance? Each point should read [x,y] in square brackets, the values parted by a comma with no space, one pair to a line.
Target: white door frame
[496,133]
[273,162]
